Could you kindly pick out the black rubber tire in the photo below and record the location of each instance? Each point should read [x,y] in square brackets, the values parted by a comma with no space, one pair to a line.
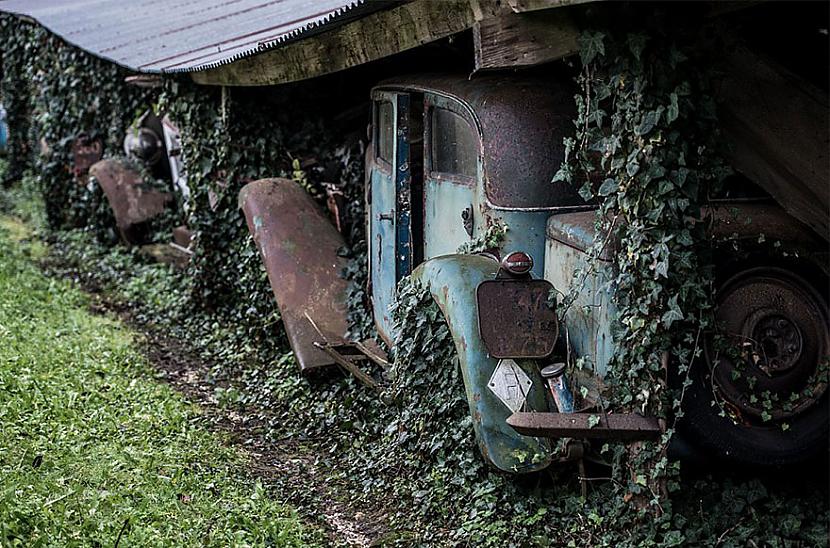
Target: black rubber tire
[758,444]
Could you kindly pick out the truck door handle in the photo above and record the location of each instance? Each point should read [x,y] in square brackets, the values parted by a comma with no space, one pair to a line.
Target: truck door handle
[386,216]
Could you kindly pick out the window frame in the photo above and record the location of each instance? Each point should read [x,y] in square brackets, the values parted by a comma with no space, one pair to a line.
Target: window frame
[383,164]
[438,102]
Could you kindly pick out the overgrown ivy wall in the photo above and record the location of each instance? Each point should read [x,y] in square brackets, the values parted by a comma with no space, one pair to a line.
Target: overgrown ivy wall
[19,43]
[229,138]
[648,149]
[55,93]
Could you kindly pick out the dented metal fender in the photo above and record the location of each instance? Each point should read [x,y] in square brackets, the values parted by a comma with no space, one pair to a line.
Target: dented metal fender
[299,248]
[132,202]
[452,280]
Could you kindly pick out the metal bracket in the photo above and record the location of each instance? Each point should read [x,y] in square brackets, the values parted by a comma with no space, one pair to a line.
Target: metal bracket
[347,354]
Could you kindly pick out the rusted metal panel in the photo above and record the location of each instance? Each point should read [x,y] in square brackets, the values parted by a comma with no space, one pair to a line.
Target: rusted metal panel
[589,319]
[616,426]
[514,318]
[746,221]
[382,217]
[86,151]
[451,217]
[187,36]
[577,231]
[299,247]
[736,220]
[132,202]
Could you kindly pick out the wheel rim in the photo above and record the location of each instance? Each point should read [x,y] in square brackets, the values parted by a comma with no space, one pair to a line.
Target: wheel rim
[770,360]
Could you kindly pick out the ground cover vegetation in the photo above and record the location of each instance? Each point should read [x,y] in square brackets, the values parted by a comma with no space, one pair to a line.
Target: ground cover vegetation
[413,460]
[94,449]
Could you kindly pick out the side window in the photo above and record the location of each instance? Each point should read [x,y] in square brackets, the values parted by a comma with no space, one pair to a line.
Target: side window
[385,132]
[454,144]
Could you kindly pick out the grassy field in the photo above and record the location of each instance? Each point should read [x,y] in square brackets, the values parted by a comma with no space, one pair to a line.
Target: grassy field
[93,450]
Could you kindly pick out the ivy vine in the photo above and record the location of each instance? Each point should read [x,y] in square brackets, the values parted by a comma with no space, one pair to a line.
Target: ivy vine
[647,150]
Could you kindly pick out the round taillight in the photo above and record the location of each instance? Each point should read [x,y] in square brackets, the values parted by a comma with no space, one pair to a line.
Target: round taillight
[517,262]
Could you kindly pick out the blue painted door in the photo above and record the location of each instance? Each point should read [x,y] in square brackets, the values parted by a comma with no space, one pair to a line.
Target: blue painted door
[390,245]
[451,175]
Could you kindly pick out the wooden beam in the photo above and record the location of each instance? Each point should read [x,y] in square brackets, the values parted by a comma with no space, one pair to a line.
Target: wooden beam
[778,124]
[375,36]
[520,6]
[523,39]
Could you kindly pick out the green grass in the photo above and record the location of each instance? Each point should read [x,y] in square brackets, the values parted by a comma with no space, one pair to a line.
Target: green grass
[93,446]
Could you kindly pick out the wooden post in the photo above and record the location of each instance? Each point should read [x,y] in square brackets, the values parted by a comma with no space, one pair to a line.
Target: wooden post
[779,125]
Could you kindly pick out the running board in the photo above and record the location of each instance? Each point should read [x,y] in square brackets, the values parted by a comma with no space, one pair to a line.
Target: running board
[620,427]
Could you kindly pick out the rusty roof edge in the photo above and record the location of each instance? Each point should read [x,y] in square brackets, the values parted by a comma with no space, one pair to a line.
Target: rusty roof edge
[337,18]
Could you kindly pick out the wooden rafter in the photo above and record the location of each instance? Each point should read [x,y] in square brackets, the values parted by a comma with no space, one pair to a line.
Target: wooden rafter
[523,39]
[375,36]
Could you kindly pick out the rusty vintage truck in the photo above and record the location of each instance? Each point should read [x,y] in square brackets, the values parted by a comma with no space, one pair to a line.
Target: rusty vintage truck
[451,156]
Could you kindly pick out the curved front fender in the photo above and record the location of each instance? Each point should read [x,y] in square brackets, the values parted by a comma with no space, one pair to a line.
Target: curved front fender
[452,280]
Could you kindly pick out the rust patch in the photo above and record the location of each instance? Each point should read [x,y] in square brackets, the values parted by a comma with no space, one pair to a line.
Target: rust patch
[515,320]
[299,248]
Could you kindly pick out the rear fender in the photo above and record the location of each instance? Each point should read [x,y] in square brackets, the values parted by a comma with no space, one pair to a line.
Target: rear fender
[452,280]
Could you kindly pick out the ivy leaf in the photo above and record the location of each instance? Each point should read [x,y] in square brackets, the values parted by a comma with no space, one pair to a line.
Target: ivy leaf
[673,110]
[563,174]
[586,193]
[648,121]
[593,420]
[632,168]
[674,538]
[590,45]
[608,186]
[636,45]
[685,238]
[673,314]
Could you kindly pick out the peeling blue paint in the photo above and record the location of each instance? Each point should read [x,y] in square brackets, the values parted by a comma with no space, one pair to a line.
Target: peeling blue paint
[453,280]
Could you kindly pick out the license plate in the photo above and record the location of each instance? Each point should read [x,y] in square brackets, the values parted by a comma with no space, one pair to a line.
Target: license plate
[515,320]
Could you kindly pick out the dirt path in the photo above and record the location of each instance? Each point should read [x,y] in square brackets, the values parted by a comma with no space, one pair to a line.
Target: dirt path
[289,469]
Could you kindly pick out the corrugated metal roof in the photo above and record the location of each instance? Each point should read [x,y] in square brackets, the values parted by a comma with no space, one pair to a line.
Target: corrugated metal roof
[185,35]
